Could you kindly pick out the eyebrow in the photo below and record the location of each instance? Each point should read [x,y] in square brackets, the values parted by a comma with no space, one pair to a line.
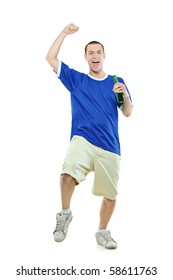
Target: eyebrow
[96,51]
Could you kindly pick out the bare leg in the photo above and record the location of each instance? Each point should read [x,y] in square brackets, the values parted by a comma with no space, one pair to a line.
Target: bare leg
[106,210]
[67,185]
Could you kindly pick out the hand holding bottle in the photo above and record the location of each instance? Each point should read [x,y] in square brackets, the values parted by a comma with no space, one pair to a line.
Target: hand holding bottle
[120,90]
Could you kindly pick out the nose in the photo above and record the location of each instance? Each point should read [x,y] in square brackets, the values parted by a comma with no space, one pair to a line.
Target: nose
[95,56]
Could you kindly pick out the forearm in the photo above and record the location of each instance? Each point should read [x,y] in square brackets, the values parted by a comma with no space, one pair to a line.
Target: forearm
[127,106]
[52,55]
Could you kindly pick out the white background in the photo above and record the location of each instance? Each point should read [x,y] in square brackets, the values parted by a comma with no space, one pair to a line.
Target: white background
[35,129]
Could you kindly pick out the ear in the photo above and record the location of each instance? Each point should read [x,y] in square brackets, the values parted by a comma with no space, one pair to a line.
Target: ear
[85,57]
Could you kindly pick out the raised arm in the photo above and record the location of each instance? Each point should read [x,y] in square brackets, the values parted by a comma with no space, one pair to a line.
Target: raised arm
[52,55]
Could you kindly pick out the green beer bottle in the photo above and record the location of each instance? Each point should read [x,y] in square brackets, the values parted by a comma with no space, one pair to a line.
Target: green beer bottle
[119,96]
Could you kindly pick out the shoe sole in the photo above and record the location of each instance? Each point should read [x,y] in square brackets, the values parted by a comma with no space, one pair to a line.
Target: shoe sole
[107,247]
[58,241]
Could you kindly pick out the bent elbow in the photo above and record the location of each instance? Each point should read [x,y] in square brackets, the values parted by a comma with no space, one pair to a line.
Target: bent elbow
[127,113]
[48,59]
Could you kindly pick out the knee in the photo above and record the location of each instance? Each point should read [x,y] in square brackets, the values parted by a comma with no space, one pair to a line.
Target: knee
[109,202]
[66,180]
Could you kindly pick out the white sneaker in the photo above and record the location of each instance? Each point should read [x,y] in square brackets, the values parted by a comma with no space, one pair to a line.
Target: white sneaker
[104,238]
[62,223]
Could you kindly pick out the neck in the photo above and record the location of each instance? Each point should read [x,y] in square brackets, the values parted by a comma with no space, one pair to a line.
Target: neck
[98,75]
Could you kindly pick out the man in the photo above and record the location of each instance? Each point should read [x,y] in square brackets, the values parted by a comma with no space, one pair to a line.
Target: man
[94,142]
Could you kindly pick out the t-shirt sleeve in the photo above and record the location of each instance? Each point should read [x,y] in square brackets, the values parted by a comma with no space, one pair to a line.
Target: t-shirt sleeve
[68,76]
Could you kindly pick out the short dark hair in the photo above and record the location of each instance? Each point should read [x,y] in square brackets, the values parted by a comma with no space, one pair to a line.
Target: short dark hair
[92,43]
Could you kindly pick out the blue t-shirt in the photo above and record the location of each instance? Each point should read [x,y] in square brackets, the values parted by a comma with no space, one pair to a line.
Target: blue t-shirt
[93,107]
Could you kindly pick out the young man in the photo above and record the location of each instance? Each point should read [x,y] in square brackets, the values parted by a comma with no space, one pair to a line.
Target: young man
[94,142]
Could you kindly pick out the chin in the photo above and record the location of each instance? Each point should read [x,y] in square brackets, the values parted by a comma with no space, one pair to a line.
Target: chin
[96,70]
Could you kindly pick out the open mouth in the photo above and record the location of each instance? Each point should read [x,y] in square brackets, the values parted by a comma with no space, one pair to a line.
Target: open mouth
[95,63]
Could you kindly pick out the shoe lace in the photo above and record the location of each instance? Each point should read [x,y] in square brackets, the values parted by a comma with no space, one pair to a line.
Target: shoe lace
[60,225]
[108,237]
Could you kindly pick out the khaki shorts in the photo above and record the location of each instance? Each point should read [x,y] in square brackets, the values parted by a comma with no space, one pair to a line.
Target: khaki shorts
[83,157]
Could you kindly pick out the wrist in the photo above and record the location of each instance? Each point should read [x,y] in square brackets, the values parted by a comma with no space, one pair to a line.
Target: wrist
[126,95]
[63,34]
